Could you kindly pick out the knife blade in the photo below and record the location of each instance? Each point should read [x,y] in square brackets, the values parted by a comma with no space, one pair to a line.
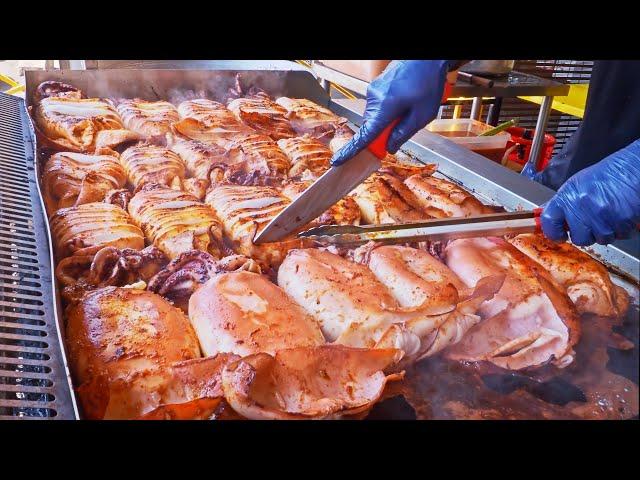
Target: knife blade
[493,224]
[327,190]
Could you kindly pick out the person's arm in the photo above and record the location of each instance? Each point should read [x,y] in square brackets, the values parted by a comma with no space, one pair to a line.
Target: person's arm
[600,203]
[410,90]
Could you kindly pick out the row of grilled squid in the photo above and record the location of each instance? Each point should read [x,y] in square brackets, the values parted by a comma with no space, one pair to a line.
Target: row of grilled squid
[173,312]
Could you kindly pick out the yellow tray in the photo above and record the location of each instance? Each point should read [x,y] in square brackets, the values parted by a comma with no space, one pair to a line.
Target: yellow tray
[572,104]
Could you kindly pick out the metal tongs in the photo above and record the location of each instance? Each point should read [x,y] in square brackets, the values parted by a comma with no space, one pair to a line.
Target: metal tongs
[493,224]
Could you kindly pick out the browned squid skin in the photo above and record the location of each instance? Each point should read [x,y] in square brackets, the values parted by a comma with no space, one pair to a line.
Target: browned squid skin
[193,390]
[78,124]
[587,281]
[196,187]
[307,117]
[71,179]
[148,119]
[122,343]
[344,212]
[253,159]
[208,122]
[87,228]
[184,274]
[442,198]
[309,157]
[176,221]
[149,163]
[391,166]
[199,157]
[383,198]
[263,115]
[310,382]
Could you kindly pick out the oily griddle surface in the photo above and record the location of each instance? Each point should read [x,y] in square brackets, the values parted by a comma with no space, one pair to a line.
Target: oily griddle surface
[601,383]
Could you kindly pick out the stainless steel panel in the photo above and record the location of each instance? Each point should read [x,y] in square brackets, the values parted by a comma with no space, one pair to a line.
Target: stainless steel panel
[174,85]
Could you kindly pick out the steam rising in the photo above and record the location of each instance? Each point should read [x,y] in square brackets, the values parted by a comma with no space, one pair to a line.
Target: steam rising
[177,86]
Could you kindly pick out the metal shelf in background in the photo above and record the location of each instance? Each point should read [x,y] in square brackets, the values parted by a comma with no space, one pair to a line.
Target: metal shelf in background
[516,84]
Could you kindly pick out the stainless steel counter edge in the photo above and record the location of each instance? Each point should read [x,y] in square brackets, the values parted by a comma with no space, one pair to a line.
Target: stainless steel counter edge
[505,187]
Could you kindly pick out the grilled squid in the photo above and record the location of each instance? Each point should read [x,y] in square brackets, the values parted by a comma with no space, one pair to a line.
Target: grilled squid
[71,179]
[175,221]
[200,159]
[147,163]
[309,157]
[305,383]
[244,211]
[122,345]
[344,212]
[587,281]
[307,117]
[441,198]
[245,313]
[208,122]
[87,228]
[254,160]
[263,115]
[383,198]
[286,371]
[402,302]
[79,125]
[147,118]
[530,321]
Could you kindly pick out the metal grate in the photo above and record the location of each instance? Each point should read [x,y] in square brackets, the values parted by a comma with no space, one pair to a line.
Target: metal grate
[33,378]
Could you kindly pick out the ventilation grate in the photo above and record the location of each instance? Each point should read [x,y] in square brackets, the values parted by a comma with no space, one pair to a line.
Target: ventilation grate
[33,379]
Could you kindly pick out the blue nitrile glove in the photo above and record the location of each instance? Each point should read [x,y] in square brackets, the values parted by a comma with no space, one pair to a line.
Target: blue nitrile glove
[529,171]
[600,203]
[410,90]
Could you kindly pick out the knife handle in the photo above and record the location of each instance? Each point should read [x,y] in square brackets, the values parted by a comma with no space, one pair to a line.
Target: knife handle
[379,146]
[447,91]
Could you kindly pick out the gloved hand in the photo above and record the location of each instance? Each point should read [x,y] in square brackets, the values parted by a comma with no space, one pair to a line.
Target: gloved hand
[529,171]
[600,203]
[411,90]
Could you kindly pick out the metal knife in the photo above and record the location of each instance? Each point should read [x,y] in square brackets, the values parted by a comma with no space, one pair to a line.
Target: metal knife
[331,187]
[493,224]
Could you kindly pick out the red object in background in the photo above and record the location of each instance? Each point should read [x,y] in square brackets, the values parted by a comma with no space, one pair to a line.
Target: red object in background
[519,147]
